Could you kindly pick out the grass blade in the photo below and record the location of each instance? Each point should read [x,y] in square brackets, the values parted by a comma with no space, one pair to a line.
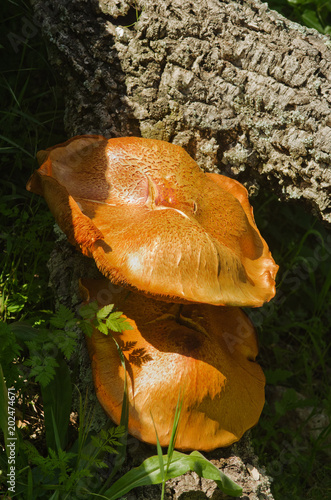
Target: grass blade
[30,485]
[159,452]
[124,422]
[57,397]
[174,432]
[17,146]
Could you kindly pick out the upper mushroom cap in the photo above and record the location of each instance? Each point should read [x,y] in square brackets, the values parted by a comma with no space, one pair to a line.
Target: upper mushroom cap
[153,220]
[212,366]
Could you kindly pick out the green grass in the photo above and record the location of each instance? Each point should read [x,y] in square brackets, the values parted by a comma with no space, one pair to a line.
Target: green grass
[31,118]
[293,329]
[312,13]
[294,334]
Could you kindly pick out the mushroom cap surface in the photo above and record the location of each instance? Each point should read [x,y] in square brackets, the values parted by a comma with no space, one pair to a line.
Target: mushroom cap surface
[154,221]
[209,359]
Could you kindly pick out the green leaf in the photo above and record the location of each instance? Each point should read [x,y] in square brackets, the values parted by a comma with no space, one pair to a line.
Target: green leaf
[102,328]
[88,311]
[99,464]
[174,431]
[86,327]
[149,473]
[115,315]
[118,324]
[30,485]
[278,375]
[297,2]
[159,453]
[309,17]
[66,341]
[43,369]
[105,311]
[62,316]
[122,429]
[9,351]
[23,331]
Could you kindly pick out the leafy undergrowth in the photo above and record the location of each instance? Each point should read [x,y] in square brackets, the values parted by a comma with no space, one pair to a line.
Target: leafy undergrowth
[31,118]
[293,435]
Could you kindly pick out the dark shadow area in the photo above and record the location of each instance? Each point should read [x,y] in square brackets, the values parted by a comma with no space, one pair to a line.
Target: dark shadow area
[129,20]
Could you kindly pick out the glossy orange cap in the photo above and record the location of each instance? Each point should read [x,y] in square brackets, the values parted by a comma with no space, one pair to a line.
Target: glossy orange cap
[153,221]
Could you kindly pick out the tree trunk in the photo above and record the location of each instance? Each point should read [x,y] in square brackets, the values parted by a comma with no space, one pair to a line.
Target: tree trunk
[246,92]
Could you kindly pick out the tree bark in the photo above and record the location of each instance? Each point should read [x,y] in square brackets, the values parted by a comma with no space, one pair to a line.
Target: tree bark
[246,92]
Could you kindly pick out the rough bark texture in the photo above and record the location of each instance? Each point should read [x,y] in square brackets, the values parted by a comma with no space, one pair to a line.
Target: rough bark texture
[245,91]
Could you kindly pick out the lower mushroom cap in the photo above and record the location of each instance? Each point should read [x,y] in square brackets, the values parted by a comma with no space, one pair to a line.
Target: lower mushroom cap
[209,358]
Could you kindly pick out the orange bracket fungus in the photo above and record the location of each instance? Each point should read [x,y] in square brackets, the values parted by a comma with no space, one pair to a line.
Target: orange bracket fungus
[209,357]
[155,223]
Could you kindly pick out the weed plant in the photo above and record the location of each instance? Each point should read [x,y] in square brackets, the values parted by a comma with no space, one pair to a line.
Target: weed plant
[293,436]
[31,119]
[312,13]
